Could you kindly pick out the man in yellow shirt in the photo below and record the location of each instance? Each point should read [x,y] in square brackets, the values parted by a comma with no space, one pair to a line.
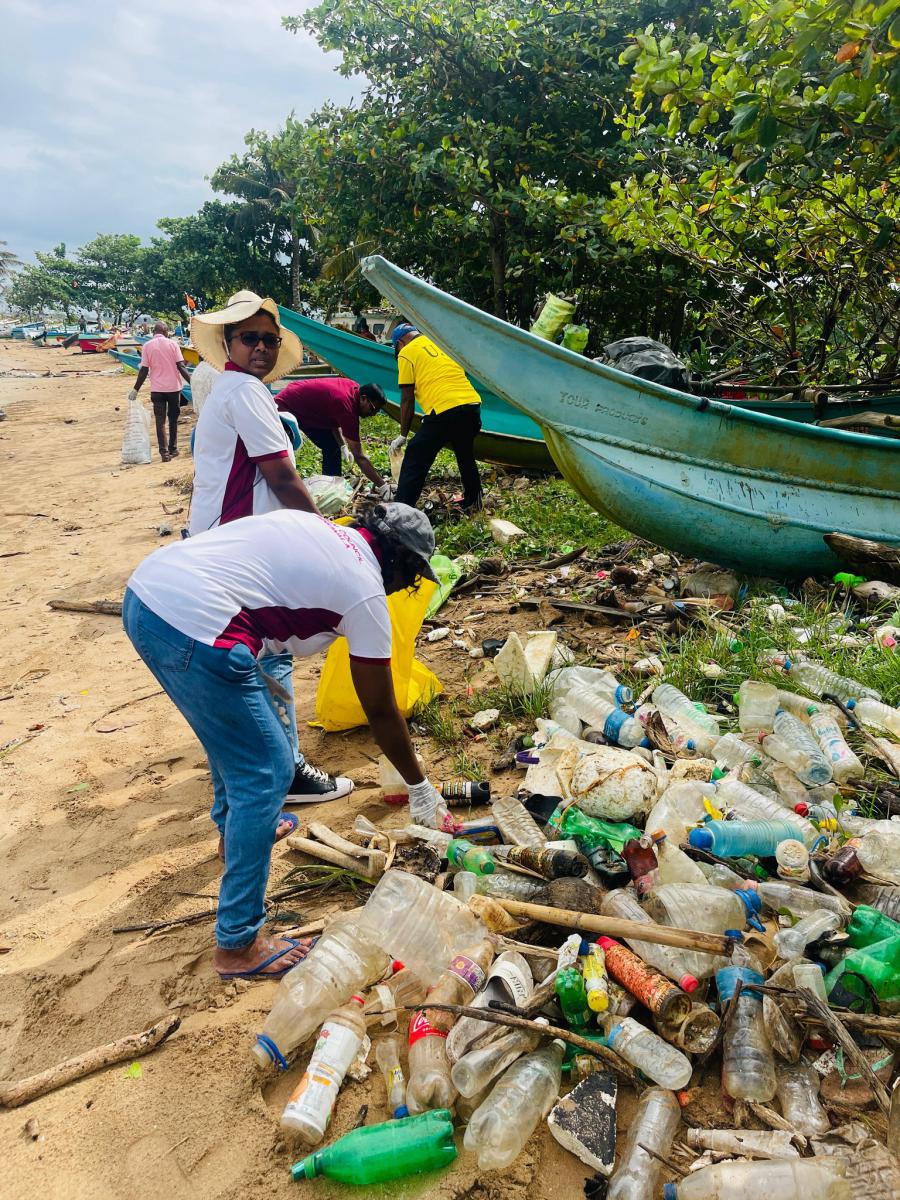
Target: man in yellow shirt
[452,418]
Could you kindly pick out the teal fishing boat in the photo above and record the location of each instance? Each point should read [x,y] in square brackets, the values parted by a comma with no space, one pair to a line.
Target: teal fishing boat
[507,437]
[697,476]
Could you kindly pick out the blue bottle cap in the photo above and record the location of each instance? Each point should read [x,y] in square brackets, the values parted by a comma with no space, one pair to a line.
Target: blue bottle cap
[700,839]
[670,1191]
[401,1112]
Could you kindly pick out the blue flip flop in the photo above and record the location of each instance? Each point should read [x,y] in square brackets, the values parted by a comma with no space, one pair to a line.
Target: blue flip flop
[292,819]
[259,971]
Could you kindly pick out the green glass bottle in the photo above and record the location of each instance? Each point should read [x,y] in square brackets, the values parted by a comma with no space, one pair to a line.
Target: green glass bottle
[874,968]
[376,1153]
[466,856]
[572,997]
[868,926]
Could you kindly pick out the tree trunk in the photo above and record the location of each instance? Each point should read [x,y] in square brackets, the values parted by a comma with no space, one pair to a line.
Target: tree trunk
[497,246]
[295,266]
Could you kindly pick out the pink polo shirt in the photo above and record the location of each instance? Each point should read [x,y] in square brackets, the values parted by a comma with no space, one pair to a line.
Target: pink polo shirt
[161,357]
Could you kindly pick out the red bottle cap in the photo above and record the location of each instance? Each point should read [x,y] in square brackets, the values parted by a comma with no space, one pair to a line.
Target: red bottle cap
[802,809]
[688,983]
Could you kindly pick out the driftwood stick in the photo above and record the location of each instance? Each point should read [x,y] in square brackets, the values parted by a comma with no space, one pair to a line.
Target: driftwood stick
[559,561]
[661,935]
[134,1046]
[612,1060]
[877,559]
[839,1034]
[367,870]
[374,860]
[108,608]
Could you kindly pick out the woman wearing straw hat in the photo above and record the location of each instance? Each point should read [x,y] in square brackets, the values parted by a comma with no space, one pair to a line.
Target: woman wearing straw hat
[244,466]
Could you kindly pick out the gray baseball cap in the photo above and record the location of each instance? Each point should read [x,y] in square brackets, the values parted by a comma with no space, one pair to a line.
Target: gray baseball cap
[408,526]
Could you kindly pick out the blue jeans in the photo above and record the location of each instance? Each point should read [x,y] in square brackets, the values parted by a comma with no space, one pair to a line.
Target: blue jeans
[223,697]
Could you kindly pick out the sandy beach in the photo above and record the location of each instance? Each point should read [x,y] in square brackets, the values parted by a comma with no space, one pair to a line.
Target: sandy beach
[105,796]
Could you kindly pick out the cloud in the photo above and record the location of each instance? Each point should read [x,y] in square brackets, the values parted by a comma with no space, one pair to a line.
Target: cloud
[114,122]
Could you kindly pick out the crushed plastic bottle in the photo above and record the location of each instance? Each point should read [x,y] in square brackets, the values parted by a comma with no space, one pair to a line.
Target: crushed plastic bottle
[799,901]
[879,854]
[462,978]
[675,866]
[387,1055]
[309,1108]
[792,942]
[524,1094]
[868,925]
[748,1064]
[798,1096]
[376,1153]
[504,885]
[679,808]
[654,1125]
[648,1052]
[757,705]
[345,960]
[708,909]
[673,963]
[778,1179]
[516,823]
[473,1072]
[874,969]
[401,988]
[669,700]
[732,751]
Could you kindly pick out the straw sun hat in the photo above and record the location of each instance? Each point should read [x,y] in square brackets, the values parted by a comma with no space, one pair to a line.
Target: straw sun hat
[208,333]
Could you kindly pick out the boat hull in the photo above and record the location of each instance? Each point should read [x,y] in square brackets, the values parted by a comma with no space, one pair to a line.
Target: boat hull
[507,437]
[700,477]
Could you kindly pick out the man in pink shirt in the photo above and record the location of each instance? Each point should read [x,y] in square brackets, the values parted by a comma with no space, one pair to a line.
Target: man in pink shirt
[162,360]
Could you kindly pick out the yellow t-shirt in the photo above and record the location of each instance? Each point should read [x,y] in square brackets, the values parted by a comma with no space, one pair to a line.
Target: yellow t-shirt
[440,383]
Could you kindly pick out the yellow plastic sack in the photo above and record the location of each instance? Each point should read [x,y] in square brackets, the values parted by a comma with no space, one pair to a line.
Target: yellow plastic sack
[337,705]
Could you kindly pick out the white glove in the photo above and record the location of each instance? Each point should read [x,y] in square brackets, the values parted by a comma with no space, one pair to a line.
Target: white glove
[347,454]
[386,491]
[398,443]
[132,395]
[426,807]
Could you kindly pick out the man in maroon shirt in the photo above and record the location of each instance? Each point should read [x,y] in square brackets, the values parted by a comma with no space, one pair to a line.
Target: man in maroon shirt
[328,410]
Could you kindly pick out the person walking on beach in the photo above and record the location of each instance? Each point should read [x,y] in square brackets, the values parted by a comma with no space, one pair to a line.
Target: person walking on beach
[198,613]
[244,466]
[328,411]
[162,360]
[452,418]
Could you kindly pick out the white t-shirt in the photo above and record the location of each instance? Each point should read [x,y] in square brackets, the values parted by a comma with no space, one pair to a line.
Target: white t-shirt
[289,578]
[238,428]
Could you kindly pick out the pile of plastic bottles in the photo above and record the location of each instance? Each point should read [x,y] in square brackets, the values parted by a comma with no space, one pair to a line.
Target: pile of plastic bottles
[748,834]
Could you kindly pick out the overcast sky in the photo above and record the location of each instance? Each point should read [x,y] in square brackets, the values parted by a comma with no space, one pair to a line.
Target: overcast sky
[113,115]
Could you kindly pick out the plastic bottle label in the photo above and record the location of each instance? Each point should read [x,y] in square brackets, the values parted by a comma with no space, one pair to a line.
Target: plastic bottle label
[468,971]
[421,1027]
[613,724]
[315,1094]
[651,988]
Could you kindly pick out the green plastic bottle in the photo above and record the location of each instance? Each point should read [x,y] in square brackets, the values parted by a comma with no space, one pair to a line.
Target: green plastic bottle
[868,926]
[591,832]
[389,1151]
[572,996]
[875,967]
[466,856]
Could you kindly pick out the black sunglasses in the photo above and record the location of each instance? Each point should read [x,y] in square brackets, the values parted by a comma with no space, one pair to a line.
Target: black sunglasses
[271,341]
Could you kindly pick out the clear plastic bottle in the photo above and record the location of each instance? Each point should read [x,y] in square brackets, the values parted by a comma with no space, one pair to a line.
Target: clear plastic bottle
[387,1055]
[757,705]
[417,924]
[654,1125]
[707,909]
[522,1097]
[879,854]
[791,943]
[675,866]
[403,987]
[844,763]
[748,1064]
[648,1052]
[604,683]
[809,975]
[675,964]
[429,1084]
[798,1095]
[516,823]
[464,975]
[799,901]
[735,839]
[474,1071]
[884,897]
[679,808]
[505,885]
[797,706]
[309,1108]
[777,1179]
[394,788]
[793,744]
[465,884]
[751,805]
[600,713]
[731,751]
[871,712]
[343,961]
[790,790]
[669,700]
[818,680]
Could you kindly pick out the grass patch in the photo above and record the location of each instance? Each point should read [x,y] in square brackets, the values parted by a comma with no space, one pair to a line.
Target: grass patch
[440,721]
[514,703]
[467,767]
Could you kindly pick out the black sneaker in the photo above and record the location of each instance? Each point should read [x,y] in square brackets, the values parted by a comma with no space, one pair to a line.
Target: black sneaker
[312,786]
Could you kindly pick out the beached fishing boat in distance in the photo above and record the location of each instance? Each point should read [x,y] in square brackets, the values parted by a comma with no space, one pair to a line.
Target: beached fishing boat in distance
[697,476]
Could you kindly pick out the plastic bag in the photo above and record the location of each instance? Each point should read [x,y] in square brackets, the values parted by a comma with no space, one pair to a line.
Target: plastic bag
[337,705]
[136,442]
[449,572]
[575,337]
[550,320]
[330,492]
[648,359]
